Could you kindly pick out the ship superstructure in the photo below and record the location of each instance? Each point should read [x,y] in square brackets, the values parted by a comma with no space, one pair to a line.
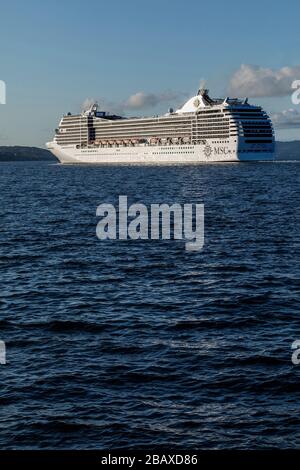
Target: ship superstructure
[203,129]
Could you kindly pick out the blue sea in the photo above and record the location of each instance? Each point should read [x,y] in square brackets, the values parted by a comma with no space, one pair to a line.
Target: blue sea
[142,344]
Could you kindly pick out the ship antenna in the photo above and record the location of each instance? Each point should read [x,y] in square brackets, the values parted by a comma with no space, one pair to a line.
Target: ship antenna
[92,109]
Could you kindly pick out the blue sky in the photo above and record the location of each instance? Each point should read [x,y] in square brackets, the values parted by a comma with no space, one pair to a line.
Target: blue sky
[56,54]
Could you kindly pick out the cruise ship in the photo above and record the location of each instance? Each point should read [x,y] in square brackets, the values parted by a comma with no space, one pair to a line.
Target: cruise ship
[202,130]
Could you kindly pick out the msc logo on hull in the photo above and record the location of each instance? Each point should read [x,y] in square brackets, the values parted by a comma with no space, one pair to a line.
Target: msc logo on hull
[221,150]
[209,151]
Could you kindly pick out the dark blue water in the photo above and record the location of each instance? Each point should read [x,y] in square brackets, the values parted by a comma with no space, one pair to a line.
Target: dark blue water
[141,344]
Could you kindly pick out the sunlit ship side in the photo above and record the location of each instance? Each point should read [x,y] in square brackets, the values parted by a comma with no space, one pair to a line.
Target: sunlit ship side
[202,130]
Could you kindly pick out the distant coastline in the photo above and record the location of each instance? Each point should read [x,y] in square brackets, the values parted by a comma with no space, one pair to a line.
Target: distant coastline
[284,151]
[21,154]
[288,150]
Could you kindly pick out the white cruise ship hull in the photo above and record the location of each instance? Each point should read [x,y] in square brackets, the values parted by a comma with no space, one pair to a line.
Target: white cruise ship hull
[165,154]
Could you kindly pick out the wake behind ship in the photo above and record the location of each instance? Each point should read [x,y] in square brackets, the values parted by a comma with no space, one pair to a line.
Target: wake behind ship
[202,130]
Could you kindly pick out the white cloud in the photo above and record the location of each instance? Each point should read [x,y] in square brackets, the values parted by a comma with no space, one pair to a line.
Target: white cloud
[287,119]
[142,100]
[137,101]
[255,81]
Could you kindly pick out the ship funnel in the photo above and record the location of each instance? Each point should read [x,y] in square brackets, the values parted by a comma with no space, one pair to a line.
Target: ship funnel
[203,92]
